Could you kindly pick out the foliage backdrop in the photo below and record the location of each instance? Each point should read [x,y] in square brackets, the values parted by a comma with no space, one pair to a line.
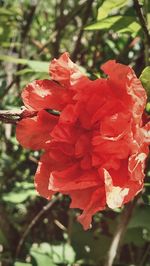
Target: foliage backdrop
[32,32]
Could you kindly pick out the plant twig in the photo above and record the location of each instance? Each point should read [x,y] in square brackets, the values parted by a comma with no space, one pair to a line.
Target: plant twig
[146,253]
[48,206]
[84,20]
[142,20]
[12,116]
[62,22]
[118,235]
[28,19]
[8,87]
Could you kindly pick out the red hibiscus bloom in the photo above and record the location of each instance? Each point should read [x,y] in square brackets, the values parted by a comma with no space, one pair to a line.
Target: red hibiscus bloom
[95,151]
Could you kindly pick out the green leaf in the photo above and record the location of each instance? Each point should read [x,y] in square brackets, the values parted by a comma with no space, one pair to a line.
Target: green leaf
[10,44]
[21,193]
[148,107]
[148,21]
[145,79]
[141,218]
[146,194]
[42,259]
[120,24]
[146,184]
[19,197]
[6,12]
[62,253]
[24,71]
[1,30]
[18,263]
[134,236]
[146,198]
[108,6]
[36,66]
[3,239]
[89,246]
[12,59]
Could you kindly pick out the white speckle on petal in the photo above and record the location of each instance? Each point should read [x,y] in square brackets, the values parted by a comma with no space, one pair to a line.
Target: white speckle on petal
[141,157]
[114,194]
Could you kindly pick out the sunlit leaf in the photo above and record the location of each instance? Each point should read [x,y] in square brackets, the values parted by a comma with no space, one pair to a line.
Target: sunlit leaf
[18,263]
[148,107]
[12,59]
[36,66]
[6,12]
[109,6]
[42,259]
[10,44]
[20,193]
[62,253]
[145,79]
[120,24]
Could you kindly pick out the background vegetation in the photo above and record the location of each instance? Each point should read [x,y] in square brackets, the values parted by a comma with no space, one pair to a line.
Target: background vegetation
[32,32]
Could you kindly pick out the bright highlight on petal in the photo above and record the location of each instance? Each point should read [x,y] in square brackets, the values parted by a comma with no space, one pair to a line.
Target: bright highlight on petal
[114,195]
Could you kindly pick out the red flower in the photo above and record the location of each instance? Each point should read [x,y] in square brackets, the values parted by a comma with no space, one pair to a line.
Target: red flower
[95,151]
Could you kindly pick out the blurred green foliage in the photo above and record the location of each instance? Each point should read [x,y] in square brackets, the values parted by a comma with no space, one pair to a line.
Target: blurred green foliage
[144,77]
[32,32]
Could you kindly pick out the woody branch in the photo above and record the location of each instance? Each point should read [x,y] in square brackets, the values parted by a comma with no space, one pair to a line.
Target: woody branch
[12,116]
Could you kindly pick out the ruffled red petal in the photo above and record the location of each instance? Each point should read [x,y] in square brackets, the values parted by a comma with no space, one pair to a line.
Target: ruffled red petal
[41,179]
[96,150]
[61,181]
[126,86]
[45,94]
[34,132]
[65,71]
[95,203]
